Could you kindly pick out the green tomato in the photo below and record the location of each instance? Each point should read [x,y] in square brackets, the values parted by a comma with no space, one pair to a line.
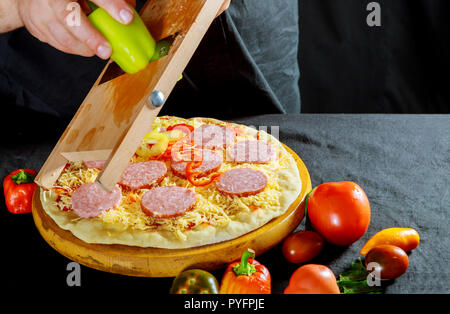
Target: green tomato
[195,281]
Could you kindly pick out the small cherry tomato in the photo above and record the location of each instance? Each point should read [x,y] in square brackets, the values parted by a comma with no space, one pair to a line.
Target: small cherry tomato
[302,246]
[312,279]
[392,261]
[339,211]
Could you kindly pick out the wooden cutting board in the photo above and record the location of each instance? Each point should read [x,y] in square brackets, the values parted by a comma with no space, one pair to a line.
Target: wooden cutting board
[155,262]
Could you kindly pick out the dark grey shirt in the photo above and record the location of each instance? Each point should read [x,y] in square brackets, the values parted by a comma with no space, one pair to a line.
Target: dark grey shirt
[246,65]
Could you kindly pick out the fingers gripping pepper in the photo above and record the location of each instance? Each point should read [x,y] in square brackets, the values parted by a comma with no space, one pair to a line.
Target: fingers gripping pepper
[246,277]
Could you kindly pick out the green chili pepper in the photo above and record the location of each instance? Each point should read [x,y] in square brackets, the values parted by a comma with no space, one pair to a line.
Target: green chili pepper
[133,47]
[195,281]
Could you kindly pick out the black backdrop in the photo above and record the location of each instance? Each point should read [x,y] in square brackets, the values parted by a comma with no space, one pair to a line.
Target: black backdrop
[400,67]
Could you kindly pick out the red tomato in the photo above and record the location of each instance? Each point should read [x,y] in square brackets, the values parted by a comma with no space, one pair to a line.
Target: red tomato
[339,211]
[302,246]
[312,279]
[392,261]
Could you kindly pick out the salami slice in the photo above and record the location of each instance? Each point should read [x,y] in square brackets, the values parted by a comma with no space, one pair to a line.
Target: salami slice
[90,199]
[242,182]
[211,162]
[251,151]
[213,136]
[168,201]
[96,164]
[141,175]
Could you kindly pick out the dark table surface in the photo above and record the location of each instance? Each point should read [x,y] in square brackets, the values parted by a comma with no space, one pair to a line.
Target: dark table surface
[401,161]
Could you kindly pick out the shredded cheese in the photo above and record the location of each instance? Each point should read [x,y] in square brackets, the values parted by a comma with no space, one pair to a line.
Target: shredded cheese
[212,208]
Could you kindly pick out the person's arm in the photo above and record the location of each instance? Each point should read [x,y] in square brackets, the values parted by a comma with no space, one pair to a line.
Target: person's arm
[9,16]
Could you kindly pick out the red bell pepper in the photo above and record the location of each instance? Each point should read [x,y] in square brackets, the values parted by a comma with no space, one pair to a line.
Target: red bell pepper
[19,187]
[246,277]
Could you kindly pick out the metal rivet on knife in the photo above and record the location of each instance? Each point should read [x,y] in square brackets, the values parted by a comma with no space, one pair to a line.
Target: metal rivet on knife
[157,98]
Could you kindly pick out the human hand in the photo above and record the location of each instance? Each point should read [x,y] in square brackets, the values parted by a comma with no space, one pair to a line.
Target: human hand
[47,21]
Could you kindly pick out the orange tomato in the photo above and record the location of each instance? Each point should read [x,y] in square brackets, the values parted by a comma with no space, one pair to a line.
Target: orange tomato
[302,246]
[312,279]
[405,238]
[339,211]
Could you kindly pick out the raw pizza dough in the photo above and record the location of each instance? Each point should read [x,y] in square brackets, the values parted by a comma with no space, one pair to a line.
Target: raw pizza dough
[286,190]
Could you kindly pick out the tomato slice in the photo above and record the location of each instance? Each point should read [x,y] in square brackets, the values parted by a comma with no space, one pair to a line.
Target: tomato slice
[186,155]
[183,127]
[204,181]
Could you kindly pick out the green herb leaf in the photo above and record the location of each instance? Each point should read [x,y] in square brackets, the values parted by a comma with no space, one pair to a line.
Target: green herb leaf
[354,280]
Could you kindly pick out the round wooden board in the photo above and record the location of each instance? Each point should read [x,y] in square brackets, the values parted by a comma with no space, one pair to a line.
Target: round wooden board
[155,262]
